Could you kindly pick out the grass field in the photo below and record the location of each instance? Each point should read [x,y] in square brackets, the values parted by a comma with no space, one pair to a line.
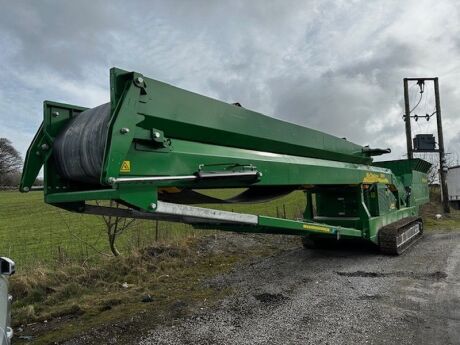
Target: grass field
[32,231]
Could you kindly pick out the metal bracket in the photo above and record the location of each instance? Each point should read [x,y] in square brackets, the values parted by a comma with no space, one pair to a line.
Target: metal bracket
[159,139]
[139,81]
[227,167]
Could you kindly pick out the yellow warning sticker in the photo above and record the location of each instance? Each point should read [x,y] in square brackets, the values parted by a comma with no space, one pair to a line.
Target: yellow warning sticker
[125,167]
[316,228]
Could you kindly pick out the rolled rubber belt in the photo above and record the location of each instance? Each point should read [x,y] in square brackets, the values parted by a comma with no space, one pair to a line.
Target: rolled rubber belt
[79,148]
[79,153]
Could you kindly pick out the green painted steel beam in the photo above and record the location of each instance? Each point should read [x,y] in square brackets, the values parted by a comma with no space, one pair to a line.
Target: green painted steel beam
[189,116]
[101,194]
[186,158]
[298,227]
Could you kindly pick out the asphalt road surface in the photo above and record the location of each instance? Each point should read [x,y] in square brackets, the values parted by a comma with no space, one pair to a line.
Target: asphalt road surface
[344,296]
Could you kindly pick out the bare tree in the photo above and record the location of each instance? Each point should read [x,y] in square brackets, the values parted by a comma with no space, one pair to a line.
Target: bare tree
[433,173]
[10,160]
[114,226]
[433,158]
[10,180]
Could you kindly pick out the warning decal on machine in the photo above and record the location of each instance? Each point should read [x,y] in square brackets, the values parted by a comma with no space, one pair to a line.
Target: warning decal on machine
[125,166]
[316,228]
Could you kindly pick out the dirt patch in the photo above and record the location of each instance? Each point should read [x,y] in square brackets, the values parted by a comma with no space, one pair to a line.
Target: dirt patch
[437,275]
[271,298]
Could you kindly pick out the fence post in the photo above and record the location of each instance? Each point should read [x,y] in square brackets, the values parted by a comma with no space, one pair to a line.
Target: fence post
[156,230]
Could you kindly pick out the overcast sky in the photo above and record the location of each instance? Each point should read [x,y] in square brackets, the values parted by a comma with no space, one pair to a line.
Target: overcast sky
[335,66]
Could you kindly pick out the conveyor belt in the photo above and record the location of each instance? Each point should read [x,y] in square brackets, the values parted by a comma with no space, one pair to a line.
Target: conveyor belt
[79,148]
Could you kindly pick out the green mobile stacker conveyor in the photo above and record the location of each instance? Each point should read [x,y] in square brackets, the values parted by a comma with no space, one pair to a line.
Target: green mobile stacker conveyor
[155,146]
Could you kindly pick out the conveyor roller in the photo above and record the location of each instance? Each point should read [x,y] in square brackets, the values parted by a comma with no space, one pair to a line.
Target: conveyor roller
[79,148]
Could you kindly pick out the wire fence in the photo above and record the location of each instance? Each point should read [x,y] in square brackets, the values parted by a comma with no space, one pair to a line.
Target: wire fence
[8,188]
[32,232]
[56,236]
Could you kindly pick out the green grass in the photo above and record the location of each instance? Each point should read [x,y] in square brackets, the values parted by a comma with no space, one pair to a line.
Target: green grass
[447,222]
[33,232]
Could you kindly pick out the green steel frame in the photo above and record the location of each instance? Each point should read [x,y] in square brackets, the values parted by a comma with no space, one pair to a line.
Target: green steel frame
[157,130]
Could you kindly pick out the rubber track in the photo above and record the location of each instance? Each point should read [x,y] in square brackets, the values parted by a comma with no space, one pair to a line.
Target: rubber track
[388,234]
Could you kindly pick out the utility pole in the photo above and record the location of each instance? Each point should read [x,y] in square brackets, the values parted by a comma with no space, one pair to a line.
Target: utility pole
[410,150]
[410,154]
[442,154]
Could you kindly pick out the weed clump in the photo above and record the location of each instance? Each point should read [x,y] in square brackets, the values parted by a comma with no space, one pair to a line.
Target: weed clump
[76,288]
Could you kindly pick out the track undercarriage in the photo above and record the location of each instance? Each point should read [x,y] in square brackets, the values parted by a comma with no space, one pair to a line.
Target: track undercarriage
[396,238]
[393,239]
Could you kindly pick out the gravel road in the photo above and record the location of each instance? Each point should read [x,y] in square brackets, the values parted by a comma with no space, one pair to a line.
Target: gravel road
[344,296]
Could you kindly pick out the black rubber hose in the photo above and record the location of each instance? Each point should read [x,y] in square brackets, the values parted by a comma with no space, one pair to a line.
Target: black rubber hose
[79,148]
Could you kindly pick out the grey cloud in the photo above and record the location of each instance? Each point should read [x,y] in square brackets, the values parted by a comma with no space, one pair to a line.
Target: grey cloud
[336,66]
[64,37]
[344,100]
